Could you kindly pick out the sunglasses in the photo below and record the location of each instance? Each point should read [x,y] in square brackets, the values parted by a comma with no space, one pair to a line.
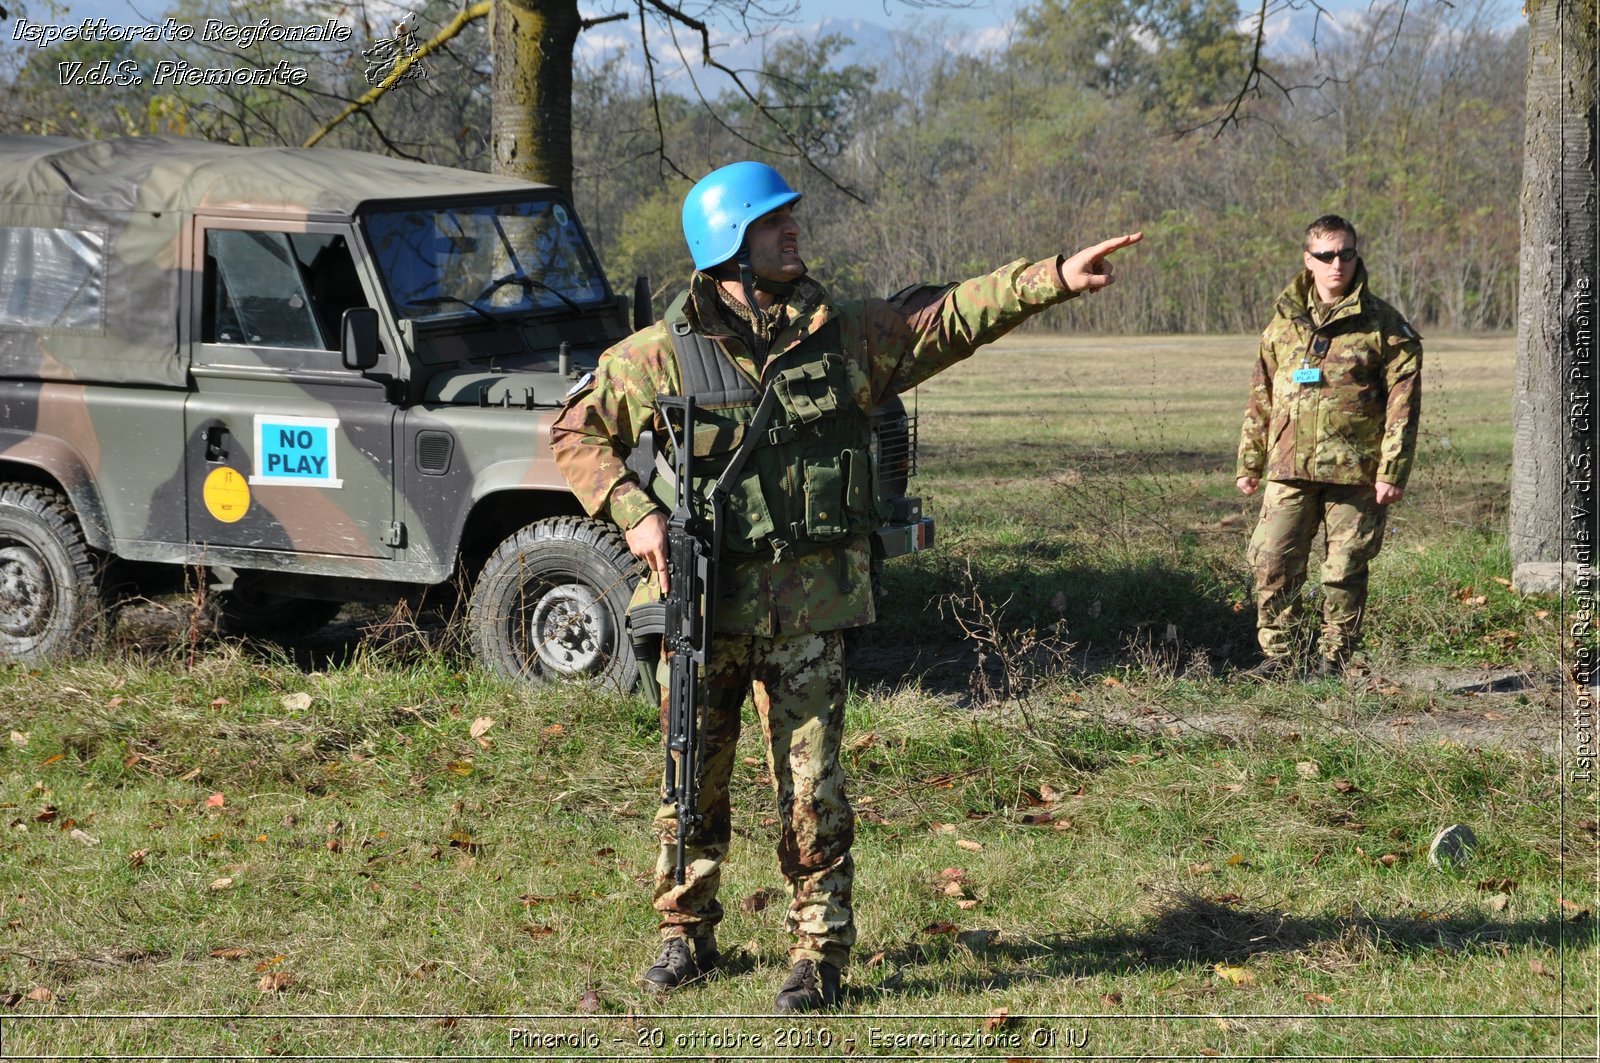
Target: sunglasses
[1344,254]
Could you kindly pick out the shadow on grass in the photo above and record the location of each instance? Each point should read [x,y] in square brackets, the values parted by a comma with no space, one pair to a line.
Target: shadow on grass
[1195,931]
[1178,614]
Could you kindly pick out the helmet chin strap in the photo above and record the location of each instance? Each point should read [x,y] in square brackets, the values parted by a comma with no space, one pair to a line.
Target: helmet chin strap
[751,284]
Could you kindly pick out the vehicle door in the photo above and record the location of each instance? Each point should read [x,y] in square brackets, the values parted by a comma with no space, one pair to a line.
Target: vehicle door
[288,451]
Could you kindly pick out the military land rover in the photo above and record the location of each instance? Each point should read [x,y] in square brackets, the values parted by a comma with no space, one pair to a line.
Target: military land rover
[312,377]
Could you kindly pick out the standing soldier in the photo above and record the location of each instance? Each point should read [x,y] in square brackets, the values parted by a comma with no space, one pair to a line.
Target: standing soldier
[1331,426]
[791,585]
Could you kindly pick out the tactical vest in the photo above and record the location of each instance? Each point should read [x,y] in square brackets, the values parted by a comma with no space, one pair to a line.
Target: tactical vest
[809,483]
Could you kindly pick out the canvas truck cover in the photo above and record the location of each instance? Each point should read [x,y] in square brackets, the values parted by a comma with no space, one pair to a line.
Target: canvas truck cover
[90,273]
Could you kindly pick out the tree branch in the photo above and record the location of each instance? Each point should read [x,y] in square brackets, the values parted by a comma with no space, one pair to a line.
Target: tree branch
[454,27]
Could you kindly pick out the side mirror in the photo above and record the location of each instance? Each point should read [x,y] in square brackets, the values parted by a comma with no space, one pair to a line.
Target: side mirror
[644,315]
[358,340]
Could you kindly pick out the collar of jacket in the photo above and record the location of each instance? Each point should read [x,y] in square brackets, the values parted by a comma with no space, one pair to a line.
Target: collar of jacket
[1295,302]
[703,311]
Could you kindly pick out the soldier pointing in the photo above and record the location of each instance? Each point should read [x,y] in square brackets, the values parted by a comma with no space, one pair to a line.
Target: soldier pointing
[796,554]
[1331,426]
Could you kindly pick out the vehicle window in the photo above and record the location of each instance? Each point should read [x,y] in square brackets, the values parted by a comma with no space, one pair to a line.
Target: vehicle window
[487,258]
[51,278]
[258,286]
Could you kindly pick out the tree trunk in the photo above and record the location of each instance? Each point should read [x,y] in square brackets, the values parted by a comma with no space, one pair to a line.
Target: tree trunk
[1555,317]
[532,89]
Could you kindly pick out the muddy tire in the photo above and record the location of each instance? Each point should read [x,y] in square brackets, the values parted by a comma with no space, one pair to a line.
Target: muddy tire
[548,605]
[52,603]
[259,614]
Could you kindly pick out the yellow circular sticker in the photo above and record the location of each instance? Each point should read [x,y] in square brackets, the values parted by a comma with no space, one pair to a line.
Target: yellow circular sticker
[227,495]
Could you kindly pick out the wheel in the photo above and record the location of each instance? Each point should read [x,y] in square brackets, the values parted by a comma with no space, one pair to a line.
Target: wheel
[51,600]
[549,605]
[247,610]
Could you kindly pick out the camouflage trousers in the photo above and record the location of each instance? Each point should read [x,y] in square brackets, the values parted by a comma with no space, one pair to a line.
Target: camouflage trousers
[798,686]
[1291,510]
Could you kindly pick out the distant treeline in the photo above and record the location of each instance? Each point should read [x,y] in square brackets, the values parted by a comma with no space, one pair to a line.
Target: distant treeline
[1101,116]
[1412,130]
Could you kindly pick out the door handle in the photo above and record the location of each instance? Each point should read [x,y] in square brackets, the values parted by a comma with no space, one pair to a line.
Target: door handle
[216,435]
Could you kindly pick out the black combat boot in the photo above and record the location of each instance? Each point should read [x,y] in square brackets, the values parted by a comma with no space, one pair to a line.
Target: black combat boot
[682,960]
[809,987]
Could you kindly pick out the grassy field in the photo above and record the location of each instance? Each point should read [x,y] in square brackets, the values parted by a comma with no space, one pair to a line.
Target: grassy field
[1079,835]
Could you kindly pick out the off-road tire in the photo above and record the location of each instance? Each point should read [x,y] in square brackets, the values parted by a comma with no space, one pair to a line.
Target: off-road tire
[52,602]
[258,614]
[549,604]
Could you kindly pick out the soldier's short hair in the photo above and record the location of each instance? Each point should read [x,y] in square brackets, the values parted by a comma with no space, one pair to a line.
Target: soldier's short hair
[1328,225]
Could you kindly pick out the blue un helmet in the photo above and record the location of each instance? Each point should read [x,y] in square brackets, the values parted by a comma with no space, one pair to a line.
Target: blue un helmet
[723,203]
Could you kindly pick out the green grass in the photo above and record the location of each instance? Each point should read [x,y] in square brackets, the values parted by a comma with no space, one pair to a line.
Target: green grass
[1131,821]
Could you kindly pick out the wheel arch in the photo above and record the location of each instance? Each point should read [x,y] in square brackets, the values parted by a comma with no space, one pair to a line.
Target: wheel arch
[55,465]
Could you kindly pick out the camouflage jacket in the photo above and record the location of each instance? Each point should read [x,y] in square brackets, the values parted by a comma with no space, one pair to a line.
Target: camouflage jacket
[1357,424]
[887,350]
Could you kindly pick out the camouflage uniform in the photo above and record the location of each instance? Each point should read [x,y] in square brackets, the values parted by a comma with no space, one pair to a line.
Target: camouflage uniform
[1321,447]
[779,618]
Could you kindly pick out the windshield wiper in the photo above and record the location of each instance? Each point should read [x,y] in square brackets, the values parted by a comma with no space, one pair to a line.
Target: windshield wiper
[440,300]
[525,283]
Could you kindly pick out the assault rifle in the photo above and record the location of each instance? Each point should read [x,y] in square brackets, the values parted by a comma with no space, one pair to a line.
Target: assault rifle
[692,556]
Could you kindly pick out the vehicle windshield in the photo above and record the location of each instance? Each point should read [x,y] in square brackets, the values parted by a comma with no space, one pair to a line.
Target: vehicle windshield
[484,259]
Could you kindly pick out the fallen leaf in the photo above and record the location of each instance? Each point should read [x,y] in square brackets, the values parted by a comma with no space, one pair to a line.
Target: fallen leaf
[1308,769]
[115,702]
[459,767]
[217,703]
[1111,681]
[276,982]
[1236,860]
[11,999]
[1048,794]
[996,1019]
[1240,976]
[969,845]
[19,739]
[1498,902]
[1228,898]
[1388,859]
[333,845]
[460,839]
[1201,869]
[298,702]
[968,904]
[875,959]
[1318,998]
[1589,825]
[942,828]
[446,1022]
[589,1003]
[219,884]
[757,901]
[137,857]
[553,730]
[1112,999]
[46,814]
[1037,819]
[1578,910]
[216,801]
[229,954]
[953,889]
[422,970]
[864,742]
[1498,885]
[267,965]
[1538,967]
[940,928]
[953,873]
[536,930]
[1345,786]
[40,995]
[480,726]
